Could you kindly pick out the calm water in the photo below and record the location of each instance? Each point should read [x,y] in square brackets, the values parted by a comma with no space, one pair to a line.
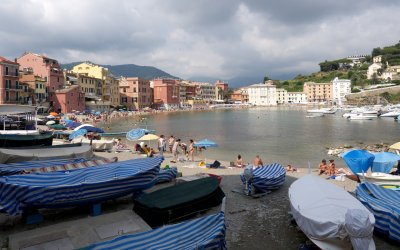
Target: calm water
[281,134]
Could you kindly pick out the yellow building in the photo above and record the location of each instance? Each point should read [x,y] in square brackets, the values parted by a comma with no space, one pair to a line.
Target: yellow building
[91,69]
[112,89]
[318,92]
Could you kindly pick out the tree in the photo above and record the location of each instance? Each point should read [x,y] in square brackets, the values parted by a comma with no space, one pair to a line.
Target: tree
[266,78]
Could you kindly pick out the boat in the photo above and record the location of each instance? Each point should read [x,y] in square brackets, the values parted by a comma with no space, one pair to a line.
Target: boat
[392,114]
[206,232]
[329,216]
[384,204]
[323,110]
[361,116]
[97,145]
[315,116]
[265,178]
[13,155]
[52,165]
[379,178]
[178,202]
[19,193]
[167,175]
[28,135]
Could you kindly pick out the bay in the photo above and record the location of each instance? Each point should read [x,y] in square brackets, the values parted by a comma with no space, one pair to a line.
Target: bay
[278,134]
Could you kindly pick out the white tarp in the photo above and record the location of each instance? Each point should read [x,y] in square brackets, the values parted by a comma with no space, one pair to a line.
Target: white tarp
[97,145]
[320,208]
[32,154]
[9,109]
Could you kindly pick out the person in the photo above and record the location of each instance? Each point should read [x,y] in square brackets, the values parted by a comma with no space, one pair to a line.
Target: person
[239,161]
[184,148]
[161,145]
[175,151]
[191,149]
[332,168]
[323,168]
[171,141]
[257,162]
[290,168]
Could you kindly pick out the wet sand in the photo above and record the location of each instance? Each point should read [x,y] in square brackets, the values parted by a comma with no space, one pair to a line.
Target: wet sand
[262,223]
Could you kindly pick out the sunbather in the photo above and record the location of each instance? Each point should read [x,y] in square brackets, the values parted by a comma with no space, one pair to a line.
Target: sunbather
[323,168]
[290,168]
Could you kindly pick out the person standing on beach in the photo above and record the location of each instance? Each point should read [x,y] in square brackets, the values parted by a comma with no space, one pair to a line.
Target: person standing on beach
[175,151]
[171,141]
[191,149]
[161,145]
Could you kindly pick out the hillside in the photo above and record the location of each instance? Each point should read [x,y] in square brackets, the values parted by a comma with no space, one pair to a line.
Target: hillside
[129,70]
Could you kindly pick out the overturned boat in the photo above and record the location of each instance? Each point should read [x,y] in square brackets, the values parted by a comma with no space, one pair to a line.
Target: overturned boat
[19,193]
[265,178]
[329,216]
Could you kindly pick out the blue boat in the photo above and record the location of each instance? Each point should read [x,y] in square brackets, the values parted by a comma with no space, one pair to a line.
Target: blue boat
[84,186]
[385,205]
[265,178]
[203,233]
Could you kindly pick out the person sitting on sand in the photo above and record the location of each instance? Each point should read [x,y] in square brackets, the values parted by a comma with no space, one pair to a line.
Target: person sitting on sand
[332,168]
[239,161]
[323,168]
[257,162]
[290,168]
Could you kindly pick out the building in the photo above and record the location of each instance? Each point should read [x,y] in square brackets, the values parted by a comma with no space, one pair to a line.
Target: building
[262,94]
[91,69]
[113,84]
[36,85]
[340,88]
[205,91]
[44,67]
[10,89]
[166,93]
[69,99]
[135,93]
[221,90]
[318,92]
[281,96]
[240,95]
[355,60]
[297,97]
[374,67]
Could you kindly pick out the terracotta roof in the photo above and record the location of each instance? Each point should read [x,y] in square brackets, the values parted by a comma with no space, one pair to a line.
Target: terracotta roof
[2,59]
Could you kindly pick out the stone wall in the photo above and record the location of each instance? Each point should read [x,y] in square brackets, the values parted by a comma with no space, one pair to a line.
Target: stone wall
[371,96]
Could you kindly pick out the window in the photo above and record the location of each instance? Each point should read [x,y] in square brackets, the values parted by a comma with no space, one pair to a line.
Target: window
[16,72]
[7,96]
[17,85]
[6,71]
[124,90]
[8,84]
[134,89]
[17,96]
[58,79]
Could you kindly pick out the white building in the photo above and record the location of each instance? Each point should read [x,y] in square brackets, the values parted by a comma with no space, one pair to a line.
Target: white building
[262,94]
[373,68]
[341,87]
[281,96]
[297,97]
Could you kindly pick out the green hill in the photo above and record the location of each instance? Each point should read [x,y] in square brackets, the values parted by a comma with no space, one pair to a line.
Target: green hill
[390,54]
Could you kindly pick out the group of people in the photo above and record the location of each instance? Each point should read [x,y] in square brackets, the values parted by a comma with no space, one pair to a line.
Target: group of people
[174,146]
[327,169]
[257,162]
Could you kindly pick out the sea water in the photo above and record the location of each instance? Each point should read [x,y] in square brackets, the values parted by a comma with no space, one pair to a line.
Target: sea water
[278,134]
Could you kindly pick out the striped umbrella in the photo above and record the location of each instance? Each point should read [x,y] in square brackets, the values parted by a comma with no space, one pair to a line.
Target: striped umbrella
[136,133]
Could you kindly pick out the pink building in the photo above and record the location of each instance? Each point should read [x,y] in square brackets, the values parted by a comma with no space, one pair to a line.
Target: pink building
[69,99]
[135,93]
[222,85]
[166,93]
[10,89]
[47,68]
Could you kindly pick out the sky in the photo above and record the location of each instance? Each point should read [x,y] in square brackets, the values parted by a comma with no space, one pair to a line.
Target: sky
[221,39]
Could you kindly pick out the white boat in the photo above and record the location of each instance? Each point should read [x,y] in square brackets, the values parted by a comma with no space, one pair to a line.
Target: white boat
[330,216]
[380,178]
[362,117]
[391,114]
[315,115]
[323,110]
[97,145]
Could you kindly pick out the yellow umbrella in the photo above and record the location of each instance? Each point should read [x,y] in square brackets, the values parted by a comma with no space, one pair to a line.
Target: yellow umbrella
[395,146]
[148,137]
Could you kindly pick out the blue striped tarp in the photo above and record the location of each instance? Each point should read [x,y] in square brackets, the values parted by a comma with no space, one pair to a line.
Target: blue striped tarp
[203,233]
[268,177]
[384,204]
[18,168]
[167,175]
[61,189]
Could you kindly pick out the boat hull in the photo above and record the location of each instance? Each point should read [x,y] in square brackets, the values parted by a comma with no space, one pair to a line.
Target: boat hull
[19,140]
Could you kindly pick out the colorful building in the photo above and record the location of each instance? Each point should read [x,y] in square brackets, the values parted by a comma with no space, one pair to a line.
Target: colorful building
[112,84]
[69,99]
[10,88]
[281,96]
[44,67]
[318,92]
[240,95]
[221,90]
[135,93]
[36,85]
[166,93]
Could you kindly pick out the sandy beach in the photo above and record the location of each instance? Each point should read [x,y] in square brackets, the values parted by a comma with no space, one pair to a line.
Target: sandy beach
[262,223]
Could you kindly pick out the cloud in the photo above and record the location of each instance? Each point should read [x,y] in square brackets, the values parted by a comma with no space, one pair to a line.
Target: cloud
[221,39]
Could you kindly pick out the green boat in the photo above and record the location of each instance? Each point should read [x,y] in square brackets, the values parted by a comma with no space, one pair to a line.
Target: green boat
[19,140]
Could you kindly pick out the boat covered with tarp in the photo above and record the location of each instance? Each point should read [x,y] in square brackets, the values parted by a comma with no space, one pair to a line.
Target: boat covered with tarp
[45,166]
[26,140]
[178,202]
[206,233]
[73,188]
[264,178]
[167,175]
[330,216]
[8,155]
[385,205]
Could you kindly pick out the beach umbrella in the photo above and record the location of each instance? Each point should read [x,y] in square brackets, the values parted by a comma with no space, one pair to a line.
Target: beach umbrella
[384,162]
[50,122]
[136,133]
[205,143]
[77,133]
[50,117]
[72,124]
[148,137]
[358,160]
[395,146]
[89,129]
[53,113]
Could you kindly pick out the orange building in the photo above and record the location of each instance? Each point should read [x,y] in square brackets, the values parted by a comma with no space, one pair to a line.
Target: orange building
[318,92]
[166,93]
